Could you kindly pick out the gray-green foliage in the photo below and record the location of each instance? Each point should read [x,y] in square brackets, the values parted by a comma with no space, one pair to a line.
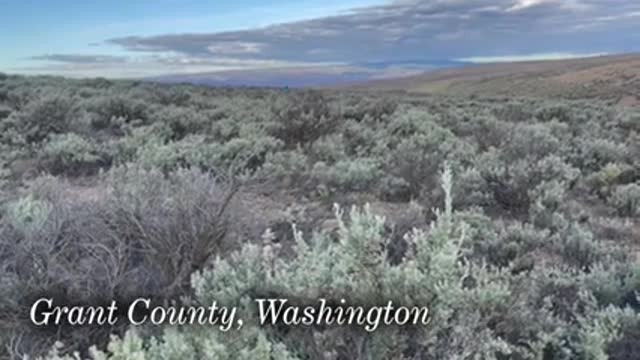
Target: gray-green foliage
[355,267]
[472,304]
[548,190]
[70,152]
[357,174]
[49,115]
[626,199]
[136,232]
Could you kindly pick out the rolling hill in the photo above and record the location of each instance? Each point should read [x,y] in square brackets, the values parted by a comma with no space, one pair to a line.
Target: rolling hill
[611,78]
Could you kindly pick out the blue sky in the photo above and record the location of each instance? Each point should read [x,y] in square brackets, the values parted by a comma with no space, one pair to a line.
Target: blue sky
[119,38]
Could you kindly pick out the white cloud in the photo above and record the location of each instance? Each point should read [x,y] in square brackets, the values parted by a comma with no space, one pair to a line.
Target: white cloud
[529,57]
[235,48]
[156,65]
[402,30]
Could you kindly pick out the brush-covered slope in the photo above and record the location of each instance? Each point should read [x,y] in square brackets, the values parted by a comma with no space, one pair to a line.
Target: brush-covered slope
[612,78]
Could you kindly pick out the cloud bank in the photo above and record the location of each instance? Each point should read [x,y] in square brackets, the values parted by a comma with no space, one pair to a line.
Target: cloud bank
[431,31]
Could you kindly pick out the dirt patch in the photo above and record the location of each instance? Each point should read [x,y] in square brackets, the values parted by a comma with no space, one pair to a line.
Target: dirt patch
[629,100]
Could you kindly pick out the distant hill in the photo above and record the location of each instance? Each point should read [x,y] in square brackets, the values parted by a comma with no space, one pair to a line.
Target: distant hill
[611,78]
[291,77]
[323,76]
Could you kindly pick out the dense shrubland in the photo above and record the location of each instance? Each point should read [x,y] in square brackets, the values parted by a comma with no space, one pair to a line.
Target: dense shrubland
[123,189]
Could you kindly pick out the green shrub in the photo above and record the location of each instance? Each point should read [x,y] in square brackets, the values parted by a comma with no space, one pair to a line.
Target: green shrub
[577,245]
[511,181]
[292,164]
[5,111]
[471,183]
[113,112]
[348,175]
[560,112]
[49,115]
[418,158]
[414,122]
[594,154]
[125,149]
[71,154]
[329,149]
[251,151]
[302,118]
[488,131]
[550,313]
[603,181]
[530,141]
[165,156]
[626,199]
[545,271]
[547,200]
[355,268]
[27,214]
[362,140]
[393,188]
[180,121]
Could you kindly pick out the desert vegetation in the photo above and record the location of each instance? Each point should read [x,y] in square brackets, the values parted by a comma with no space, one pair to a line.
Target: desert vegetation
[514,219]
[612,78]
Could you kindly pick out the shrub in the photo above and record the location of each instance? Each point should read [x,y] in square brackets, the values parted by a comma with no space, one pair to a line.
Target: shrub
[136,233]
[514,112]
[418,158]
[5,111]
[488,132]
[27,214]
[604,180]
[594,154]
[302,118]
[251,151]
[238,154]
[547,199]
[155,153]
[511,181]
[348,175]
[393,188]
[362,140]
[530,141]
[376,109]
[71,154]
[49,115]
[112,112]
[577,245]
[125,149]
[560,112]
[355,268]
[413,122]
[626,199]
[180,121]
[471,183]
[544,272]
[293,165]
[551,313]
[329,149]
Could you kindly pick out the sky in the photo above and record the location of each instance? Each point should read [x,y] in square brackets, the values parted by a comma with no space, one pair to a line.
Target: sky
[143,38]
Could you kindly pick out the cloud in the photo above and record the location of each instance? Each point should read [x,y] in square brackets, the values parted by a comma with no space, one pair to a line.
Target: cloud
[413,28]
[151,65]
[80,59]
[235,48]
[530,57]
[397,31]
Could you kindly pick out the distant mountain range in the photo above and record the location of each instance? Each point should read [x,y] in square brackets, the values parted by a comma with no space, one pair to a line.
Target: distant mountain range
[312,76]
